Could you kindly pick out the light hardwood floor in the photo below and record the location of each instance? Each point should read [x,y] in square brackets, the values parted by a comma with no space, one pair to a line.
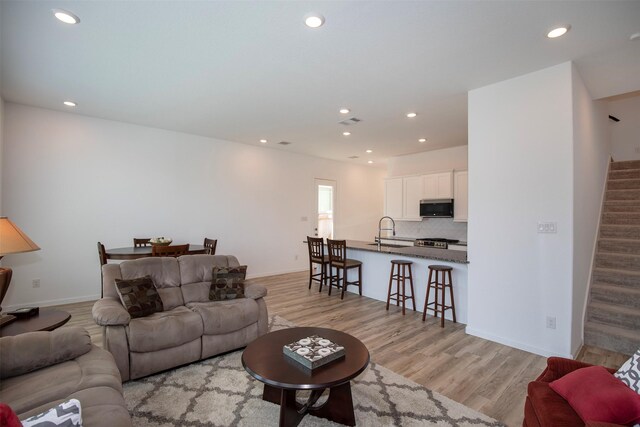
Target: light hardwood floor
[486,376]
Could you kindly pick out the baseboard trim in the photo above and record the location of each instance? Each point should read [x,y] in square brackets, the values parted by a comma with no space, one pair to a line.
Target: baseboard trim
[48,303]
[276,273]
[514,344]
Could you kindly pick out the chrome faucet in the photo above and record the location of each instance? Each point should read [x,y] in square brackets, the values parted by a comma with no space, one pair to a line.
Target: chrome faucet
[380,229]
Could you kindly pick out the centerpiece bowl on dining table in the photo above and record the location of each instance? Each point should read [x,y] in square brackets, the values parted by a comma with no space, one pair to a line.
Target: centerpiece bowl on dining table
[160,241]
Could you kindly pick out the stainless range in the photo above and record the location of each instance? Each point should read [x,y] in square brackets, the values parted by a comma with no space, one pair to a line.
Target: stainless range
[435,242]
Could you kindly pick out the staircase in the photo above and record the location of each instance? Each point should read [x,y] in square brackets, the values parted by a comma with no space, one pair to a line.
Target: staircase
[613,312]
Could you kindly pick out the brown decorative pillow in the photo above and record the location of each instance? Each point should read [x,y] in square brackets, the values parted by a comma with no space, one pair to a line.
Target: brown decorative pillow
[139,296]
[227,283]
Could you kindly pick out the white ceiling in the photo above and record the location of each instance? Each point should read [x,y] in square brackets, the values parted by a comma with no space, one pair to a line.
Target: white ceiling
[243,71]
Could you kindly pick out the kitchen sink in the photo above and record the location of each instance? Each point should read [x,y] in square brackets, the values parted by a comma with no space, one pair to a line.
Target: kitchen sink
[387,245]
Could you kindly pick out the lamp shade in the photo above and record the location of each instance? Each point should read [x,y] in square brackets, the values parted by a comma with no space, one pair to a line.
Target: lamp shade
[13,240]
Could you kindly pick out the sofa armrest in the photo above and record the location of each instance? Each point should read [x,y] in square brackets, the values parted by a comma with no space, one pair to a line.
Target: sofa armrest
[35,350]
[110,312]
[255,291]
[558,367]
[601,424]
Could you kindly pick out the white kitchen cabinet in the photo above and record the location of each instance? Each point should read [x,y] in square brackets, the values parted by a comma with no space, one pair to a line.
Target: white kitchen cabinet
[438,186]
[393,198]
[460,196]
[413,192]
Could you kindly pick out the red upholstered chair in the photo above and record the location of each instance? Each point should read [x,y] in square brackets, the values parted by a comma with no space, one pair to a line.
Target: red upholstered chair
[546,408]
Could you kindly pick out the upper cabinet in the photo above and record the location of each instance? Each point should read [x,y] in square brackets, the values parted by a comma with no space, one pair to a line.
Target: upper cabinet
[413,192]
[438,185]
[402,198]
[393,198]
[461,196]
[402,195]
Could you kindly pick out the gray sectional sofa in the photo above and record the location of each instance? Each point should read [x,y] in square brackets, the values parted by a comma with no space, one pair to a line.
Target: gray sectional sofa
[39,370]
[190,328]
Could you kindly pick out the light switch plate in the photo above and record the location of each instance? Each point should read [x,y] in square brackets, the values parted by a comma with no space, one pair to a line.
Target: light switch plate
[547,227]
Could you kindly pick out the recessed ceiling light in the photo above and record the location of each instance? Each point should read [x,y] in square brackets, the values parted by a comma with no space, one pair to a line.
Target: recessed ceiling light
[314,21]
[370,161]
[69,103]
[263,141]
[344,111]
[369,151]
[65,16]
[422,140]
[411,115]
[346,133]
[557,32]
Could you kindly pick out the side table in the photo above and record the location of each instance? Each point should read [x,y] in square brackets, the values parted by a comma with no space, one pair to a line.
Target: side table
[45,320]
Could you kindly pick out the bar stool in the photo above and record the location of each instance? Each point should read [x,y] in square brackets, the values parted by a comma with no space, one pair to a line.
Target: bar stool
[439,286]
[400,276]
[317,256]
[338,260]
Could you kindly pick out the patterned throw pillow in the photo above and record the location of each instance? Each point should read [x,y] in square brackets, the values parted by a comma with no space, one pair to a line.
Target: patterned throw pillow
[227,283]
[67,414]
[629,372]
[139,296]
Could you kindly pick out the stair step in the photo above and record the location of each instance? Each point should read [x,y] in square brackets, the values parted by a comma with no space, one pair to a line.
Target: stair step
[623,184]
[621,218]
[619,232]
[624,174]
[611,276]
[622,206]
[614,314]
[629,164]
[628,262]
[620,246]
[623,195]
[611,338]
[612,294]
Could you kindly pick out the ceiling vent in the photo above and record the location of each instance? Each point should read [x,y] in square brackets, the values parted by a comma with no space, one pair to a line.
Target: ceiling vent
[353,157]
[351,121]
[284,143]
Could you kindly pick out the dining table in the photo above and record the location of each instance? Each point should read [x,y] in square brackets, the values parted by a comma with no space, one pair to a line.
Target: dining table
[144,252]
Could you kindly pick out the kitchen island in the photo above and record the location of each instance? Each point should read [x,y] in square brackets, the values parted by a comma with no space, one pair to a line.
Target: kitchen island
[376,267]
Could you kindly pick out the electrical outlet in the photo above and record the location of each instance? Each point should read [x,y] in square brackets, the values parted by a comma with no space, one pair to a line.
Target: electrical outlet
[295,257]
[35,283]
[547,227]
[551,322]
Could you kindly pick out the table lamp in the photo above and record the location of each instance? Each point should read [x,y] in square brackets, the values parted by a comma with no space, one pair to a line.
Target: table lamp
[12,241]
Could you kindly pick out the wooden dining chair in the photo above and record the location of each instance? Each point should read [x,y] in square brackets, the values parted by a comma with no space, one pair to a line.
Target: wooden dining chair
[175,251]
[210,245]
[338,260]
[102,253]
[141,243]
[317,257]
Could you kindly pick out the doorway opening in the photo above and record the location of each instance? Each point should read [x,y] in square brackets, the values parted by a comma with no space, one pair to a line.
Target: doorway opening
[325,208]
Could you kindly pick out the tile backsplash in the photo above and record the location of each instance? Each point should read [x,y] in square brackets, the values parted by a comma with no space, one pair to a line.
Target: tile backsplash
[432,227]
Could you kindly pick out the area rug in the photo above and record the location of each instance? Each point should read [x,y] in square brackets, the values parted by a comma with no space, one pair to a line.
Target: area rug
[219,392]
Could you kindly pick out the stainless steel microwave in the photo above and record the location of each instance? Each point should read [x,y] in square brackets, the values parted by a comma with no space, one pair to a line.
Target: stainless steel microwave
[436,208]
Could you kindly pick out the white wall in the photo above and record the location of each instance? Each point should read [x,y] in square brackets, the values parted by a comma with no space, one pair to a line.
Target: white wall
[592,151]
[625,135]
[429,161]
[71,181]
[520,172]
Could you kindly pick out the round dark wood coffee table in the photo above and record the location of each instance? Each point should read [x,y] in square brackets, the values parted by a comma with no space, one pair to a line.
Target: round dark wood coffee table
[45,320]
[283,376]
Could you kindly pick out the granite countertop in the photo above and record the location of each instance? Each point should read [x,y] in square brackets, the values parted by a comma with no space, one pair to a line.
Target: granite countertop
[411,251]
[413,239]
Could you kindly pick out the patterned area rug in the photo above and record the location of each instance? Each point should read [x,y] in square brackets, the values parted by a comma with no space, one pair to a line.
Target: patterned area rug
[218,392]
